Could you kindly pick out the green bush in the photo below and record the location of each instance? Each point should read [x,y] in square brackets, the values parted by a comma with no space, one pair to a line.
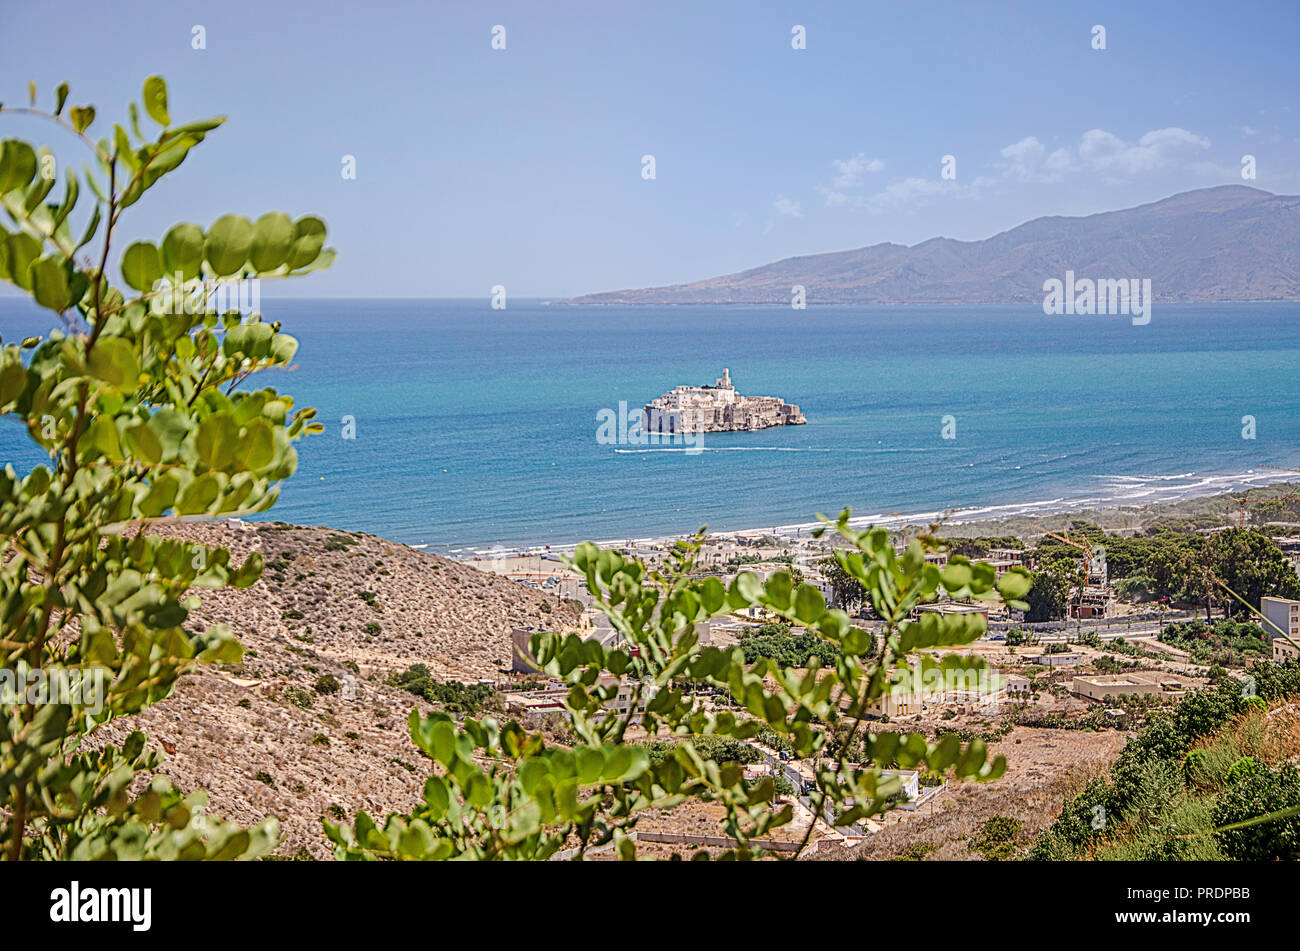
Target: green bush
[1257,791]
[996,839]
[452,696]
[327,683]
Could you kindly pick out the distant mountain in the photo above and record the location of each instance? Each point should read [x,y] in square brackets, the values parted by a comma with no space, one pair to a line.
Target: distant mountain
[1230,243]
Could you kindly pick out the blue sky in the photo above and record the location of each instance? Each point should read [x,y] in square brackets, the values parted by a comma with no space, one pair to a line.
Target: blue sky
[522,166]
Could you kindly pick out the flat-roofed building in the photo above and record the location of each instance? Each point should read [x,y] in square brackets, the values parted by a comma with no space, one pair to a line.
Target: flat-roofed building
[1108,687]
[954,607]
[1056,660]
[1018,688]
[1282,614]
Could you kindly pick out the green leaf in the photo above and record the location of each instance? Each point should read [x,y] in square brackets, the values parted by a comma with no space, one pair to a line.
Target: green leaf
[956,574]
[171,427]
[283,347]
[102,435]
[229,240]
[17,164]
[155,100]
[809,604]
[217,441]
[749,587]
[13,380]
[273,239]
[50,284]
[199,495]
[142,266]
[113,360]
[91,227]
[82,117]
[309,238]
[144,443]
[1015,584]
[257,447]
[60,96]
[182,250]
[160,497]
[22,249]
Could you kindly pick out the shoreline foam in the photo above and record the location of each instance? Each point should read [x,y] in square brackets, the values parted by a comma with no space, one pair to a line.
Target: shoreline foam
[1148,489]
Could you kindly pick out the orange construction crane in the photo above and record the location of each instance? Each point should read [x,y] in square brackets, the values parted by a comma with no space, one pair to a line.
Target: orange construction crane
[1245,499]
[1087,552]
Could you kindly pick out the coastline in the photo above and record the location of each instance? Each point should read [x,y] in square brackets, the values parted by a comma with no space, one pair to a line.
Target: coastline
[991,520]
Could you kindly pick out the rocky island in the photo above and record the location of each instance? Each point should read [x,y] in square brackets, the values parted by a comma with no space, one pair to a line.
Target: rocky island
[717,409]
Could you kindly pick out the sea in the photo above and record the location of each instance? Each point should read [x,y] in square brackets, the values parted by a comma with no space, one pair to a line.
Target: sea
[458,428]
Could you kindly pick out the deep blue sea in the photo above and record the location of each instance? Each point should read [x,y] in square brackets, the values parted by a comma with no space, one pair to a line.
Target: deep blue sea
[477,427]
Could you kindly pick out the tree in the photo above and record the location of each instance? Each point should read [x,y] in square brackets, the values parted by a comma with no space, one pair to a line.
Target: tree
[1049,594]
[1249,564]
[136,401]
[498,791]
[846,590]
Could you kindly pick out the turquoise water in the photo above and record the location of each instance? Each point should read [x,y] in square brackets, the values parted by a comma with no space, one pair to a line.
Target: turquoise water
[477,427]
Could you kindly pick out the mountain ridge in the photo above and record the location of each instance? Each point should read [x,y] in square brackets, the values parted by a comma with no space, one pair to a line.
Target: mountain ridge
[1223,243]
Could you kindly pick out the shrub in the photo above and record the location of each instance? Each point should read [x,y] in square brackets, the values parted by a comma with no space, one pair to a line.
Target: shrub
[996,839]
[326,684]
[1257,791]
[452,696]
[299,697]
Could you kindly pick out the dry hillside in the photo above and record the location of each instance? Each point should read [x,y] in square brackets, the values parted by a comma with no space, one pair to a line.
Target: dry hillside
[261,739]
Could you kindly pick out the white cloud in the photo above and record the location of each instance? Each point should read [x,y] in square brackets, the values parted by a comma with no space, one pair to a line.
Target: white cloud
[785,206]
[909,191]
[1103,152]
[850,170]
[1159,149]
[1029,161]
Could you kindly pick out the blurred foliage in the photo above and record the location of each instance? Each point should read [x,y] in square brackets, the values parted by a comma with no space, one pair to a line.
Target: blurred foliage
[497,791]
[135,400]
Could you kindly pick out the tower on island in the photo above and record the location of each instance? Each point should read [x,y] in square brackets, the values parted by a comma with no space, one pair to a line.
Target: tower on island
[716,409]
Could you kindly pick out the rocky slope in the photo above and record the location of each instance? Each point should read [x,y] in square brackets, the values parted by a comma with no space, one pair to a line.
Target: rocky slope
[262,739]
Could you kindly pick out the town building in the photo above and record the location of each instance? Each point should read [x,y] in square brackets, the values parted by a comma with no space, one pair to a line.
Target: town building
[1019,688]
[1282,614]
[1105,688]
[953,607]
[1056,660]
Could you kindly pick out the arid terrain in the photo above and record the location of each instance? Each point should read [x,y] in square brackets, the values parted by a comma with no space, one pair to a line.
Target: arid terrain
[306,727]
[260,737]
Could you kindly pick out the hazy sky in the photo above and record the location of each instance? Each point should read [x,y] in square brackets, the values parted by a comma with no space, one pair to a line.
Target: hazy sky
[523,166]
